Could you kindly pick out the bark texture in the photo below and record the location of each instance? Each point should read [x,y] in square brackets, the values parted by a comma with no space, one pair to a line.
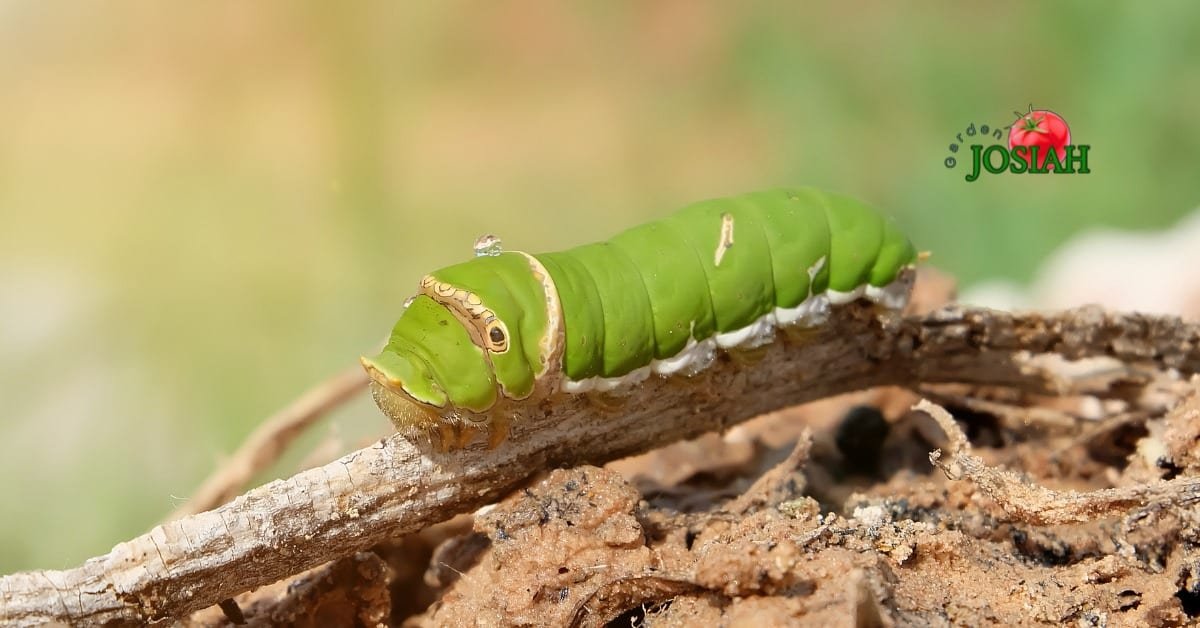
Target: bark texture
[396,487]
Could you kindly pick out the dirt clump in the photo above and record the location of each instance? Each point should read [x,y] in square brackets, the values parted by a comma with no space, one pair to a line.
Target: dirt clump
[775,523]
[988,506]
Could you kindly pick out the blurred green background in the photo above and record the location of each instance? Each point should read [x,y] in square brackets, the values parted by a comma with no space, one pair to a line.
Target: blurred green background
[207,207]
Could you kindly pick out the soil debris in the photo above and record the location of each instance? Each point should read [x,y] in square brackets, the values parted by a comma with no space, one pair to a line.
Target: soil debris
[979,542]
[988,505]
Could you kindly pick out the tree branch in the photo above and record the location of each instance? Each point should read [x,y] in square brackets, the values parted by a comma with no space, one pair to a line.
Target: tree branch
[395,487]
[269,440]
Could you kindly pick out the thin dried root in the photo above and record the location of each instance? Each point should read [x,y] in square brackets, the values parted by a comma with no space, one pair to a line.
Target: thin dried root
[1038,505]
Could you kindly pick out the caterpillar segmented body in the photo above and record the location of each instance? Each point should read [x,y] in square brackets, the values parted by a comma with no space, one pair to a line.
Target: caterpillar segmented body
[507,328]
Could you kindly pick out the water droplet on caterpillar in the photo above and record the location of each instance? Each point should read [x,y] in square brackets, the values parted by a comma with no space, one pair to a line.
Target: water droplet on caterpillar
[488,246]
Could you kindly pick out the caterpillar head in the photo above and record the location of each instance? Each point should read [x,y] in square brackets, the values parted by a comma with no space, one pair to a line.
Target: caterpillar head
[431,371]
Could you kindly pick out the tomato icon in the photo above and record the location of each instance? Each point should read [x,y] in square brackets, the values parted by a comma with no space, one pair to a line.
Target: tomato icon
[1042,128]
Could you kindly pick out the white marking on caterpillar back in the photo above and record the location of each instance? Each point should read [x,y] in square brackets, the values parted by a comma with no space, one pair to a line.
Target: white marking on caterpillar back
[577,387]
[842,298]
[606,384]
[893,296]
[813,271]
[725,239]
[756,334]
[811,312]
[693,358]
[698,355]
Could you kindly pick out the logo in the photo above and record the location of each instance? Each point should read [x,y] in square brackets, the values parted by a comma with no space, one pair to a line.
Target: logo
[1039,142]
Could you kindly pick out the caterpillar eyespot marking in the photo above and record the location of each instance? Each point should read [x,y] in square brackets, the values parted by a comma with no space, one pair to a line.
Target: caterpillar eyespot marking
[482,337]
[497,340]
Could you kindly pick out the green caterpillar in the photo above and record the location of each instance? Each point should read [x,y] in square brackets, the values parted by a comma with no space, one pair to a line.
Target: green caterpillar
[508,328]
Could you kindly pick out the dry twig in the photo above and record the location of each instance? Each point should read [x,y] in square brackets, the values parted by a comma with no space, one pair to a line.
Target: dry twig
[1039,505]
[394,487]
[761,492]
[264,446]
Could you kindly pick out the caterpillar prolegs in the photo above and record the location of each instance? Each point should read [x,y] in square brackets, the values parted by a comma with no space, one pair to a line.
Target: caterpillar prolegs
[660,299]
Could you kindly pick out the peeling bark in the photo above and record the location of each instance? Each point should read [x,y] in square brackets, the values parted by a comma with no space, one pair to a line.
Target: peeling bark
[396,487]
